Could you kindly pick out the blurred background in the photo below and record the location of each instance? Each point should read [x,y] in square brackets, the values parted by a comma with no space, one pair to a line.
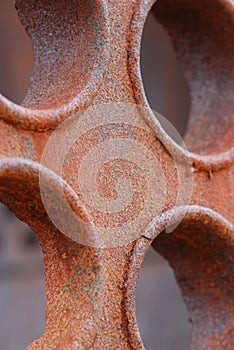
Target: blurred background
[161,313]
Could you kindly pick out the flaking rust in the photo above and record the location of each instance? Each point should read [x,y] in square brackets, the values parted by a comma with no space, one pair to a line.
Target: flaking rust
[87,55]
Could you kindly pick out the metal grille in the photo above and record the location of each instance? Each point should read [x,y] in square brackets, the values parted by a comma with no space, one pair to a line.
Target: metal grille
[87,164]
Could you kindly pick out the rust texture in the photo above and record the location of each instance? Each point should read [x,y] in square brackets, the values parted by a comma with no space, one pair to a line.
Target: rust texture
[87,53]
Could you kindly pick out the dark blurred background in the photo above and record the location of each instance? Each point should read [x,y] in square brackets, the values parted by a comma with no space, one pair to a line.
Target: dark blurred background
[161,313]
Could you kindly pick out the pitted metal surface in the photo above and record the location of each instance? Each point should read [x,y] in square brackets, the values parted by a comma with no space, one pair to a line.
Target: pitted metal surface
[87,55]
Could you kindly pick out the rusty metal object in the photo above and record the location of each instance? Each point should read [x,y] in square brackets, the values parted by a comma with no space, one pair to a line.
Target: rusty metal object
[86,53]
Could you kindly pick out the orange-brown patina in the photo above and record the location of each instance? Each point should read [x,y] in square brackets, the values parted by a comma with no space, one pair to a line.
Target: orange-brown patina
[87,52]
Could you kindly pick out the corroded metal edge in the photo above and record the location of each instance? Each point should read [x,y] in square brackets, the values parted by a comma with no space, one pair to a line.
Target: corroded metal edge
[193,213]
[46,119]
[207,163]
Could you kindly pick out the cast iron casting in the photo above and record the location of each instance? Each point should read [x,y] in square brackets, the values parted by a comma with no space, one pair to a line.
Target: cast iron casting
[87,54]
